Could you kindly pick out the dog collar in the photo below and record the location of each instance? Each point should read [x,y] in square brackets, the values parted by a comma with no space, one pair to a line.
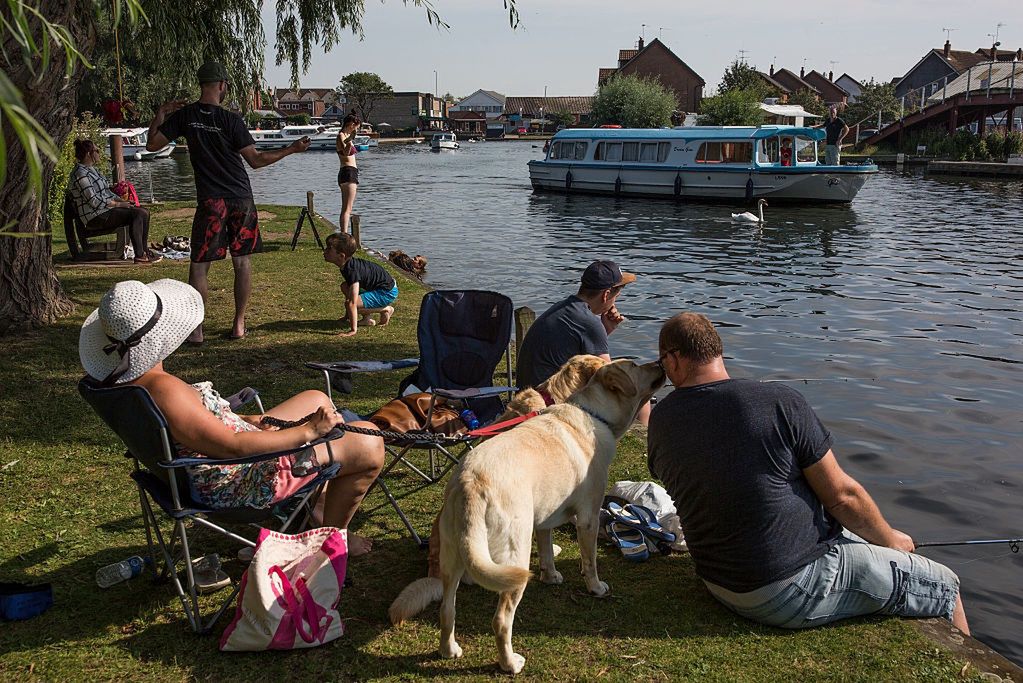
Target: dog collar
[596,417]
[546,397]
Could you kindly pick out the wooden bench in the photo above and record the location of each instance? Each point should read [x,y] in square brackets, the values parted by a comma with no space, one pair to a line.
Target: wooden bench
[78,235]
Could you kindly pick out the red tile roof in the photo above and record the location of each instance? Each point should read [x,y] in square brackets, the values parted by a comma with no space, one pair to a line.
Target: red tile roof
[626,55]
[532,105]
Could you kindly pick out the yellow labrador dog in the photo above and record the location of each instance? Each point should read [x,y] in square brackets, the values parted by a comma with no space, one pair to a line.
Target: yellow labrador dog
[570,378]
[536,476]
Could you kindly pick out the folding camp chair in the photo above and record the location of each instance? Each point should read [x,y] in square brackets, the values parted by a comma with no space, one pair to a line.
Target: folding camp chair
[462,335]
[131,413]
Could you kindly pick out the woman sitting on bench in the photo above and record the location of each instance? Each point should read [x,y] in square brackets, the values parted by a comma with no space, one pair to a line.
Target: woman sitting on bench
[102,210]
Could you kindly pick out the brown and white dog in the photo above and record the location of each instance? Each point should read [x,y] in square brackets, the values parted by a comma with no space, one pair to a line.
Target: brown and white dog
[535,477]
[570,378]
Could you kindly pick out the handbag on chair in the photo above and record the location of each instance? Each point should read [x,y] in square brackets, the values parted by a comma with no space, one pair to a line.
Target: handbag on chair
[290,592]
[409,414]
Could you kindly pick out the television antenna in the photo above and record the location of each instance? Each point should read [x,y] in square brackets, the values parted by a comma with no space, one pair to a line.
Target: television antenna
[643,31]
[998,29]
[742,55]
[948,33]
[660,29]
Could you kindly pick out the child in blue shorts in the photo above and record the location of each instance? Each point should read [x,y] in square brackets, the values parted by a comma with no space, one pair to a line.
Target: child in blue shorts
[368,287]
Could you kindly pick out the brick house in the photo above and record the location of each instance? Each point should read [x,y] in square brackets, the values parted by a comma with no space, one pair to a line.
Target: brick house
[790,81]
[655,60]
[311,101]
[535,112]
[830,92]
[411,110]
[934,66]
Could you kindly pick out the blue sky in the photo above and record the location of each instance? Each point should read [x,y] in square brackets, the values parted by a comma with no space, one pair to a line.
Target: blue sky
[561,43]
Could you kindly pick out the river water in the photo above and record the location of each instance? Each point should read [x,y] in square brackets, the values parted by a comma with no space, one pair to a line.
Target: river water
[903,310]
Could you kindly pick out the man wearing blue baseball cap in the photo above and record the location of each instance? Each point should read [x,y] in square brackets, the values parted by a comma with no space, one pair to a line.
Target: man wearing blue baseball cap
[578,324]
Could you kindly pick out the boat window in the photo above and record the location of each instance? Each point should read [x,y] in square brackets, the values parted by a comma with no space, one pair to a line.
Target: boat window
[725,153]
[769,149]
[663,148]
[648,151]
[630,151]
[580,150]
[613,151]
[806,149]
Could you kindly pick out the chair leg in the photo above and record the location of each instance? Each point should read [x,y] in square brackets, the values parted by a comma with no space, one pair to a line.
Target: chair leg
[147,513]
[397,508]
[194,617]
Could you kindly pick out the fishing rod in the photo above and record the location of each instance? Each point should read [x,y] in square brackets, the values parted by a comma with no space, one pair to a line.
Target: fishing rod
[1014,543]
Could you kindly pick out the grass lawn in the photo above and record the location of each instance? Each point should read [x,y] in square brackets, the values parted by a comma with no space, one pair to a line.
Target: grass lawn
[69,508]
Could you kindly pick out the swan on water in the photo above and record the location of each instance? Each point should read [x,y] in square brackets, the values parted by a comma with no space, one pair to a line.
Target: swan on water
[748,217]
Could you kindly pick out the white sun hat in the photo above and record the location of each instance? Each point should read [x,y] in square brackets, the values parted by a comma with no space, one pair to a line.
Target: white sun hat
[136,326]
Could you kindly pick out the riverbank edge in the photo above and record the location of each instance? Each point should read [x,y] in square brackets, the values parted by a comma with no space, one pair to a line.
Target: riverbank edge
[143,634]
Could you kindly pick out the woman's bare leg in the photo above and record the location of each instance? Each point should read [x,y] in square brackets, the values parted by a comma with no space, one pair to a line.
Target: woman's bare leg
[348,191]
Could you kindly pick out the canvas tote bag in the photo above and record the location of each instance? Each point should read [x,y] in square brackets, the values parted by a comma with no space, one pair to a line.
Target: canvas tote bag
[290,592]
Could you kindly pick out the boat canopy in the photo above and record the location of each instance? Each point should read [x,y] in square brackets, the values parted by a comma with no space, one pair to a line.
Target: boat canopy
[689,133]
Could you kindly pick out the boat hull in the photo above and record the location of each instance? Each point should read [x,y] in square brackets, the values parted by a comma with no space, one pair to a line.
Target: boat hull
[817,184]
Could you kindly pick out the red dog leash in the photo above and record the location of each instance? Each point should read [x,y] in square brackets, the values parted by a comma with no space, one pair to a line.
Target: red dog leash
[491,430]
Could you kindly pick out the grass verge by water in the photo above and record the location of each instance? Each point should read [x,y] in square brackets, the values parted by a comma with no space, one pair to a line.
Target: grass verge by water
[69,508]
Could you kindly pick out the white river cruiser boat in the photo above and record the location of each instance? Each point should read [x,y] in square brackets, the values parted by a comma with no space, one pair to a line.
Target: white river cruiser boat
[133,143]
[321,138]
[443,141]
[727,163]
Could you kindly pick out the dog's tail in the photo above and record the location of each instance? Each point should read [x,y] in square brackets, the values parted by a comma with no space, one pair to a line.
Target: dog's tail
[414,598]
[495,577]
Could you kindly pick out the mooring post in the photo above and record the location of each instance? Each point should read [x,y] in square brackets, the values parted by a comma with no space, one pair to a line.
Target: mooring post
[356,224]
[117,157]
[524,317]
[309,203]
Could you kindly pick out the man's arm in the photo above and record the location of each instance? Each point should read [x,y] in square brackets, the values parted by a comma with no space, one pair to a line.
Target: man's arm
[157,140]
[258,159]
[841,136]
[850,504]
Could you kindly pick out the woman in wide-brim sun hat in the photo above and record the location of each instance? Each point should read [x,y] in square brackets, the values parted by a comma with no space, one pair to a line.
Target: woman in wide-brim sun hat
[125,341]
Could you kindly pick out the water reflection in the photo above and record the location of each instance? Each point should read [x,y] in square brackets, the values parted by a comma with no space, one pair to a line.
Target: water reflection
[903,309]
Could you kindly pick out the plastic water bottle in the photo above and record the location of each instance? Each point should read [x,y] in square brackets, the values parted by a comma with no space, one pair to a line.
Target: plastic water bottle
[120,571]
[470,419]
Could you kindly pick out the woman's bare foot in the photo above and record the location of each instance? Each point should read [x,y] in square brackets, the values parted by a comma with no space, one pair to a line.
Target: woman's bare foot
[358,545]
[196,337]
[385,315]
[367,321]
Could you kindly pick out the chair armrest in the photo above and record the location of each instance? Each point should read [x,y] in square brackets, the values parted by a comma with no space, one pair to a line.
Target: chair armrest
[332,435]
[364,365]
[242,398]
[474,392]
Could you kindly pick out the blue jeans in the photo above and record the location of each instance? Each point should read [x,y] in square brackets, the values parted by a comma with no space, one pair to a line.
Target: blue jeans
[854,578]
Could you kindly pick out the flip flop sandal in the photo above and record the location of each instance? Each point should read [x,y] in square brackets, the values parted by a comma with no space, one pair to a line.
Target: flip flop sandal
[640,518]
[629,540]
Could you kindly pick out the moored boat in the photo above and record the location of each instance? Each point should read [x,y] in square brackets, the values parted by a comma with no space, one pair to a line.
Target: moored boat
[133,144]
[443,141]
[321,138]
[362,142]
[729,163]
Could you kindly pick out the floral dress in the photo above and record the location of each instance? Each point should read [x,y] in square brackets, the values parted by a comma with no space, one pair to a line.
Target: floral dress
[258,484]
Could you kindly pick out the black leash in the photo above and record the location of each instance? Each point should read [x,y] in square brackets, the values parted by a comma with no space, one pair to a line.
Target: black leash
[1013,543]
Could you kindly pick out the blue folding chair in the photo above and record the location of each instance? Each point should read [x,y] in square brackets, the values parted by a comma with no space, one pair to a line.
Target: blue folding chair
[130,412]
[463,335]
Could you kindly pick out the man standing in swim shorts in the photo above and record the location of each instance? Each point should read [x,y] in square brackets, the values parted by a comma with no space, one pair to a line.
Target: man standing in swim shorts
[225,213]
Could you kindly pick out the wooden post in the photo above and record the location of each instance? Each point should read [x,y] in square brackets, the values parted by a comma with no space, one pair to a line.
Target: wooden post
[117,157]
[524,317]
[309,203]
[356,230]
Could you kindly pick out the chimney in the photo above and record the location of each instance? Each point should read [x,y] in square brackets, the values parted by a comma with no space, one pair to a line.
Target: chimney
[948,48]
[831,76]
[772,71]
[1019,55]
[639,45]
[802,71]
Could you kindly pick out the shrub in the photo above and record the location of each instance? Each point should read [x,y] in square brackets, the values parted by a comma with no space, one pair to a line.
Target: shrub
[85,126]
[633,102]
[298,120]
[732,108]
[995,145]
[1013,144]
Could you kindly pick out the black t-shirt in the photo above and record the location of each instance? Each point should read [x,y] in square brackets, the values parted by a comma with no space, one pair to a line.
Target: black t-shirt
[833,128]
[566,329]
[214,137]
[731,454]
[369,275]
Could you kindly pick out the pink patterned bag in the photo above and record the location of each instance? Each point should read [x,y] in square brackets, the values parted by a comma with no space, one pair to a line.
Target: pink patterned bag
[290,592]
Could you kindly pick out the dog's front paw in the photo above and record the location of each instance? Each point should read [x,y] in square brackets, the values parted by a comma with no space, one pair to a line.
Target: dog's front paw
[552,576]
[451,650]
[514,663]
[600,589]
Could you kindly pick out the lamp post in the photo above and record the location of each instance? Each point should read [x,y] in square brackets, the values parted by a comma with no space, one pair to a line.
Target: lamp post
[435,83]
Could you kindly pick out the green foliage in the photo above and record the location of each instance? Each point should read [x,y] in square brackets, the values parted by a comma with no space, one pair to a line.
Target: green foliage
[362,91]
[742,76]
[633,102]
[86,126]
[809,101]
[874,97]
[1013,144]
[252,119]
[561,118]
[732,108]
[302,119]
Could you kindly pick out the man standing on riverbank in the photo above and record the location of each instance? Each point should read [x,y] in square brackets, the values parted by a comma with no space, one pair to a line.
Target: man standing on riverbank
[763,501]
[578,324]
[225,214]
[835,130]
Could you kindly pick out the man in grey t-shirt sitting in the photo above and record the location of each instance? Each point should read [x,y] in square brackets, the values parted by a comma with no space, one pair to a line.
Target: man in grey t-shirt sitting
[765,505]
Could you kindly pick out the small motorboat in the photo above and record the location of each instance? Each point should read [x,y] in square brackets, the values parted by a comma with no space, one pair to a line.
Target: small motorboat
[133,144]
[443,141]
[321,138]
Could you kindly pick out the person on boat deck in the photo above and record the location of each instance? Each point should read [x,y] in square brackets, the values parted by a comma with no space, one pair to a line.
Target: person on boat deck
[778,532]
[786,152]
[127,339]
[579,324]
[225,213]
[99,207]
[367,287]
[836,130]
[348,175]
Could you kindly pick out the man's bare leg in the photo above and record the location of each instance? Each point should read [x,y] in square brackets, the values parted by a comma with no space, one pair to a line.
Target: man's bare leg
[959,616]
[197,277]
[242,290]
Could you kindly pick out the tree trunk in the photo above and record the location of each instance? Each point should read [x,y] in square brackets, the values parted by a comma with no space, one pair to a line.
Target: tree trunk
[30,294]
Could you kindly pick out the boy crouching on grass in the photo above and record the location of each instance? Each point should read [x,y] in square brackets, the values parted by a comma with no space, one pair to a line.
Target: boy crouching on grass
[367,287]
